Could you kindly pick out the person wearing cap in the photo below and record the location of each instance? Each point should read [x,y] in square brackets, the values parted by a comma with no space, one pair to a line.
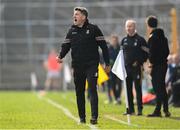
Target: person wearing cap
[84,39]
[135,54]
[158,53]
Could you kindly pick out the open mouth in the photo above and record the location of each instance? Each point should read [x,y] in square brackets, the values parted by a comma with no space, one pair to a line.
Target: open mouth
[75,20]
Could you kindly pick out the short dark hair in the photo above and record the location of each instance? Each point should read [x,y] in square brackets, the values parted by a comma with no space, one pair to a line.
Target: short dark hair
[83,10]
[152,21]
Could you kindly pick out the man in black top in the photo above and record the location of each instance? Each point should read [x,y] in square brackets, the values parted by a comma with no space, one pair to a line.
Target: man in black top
[135,53]
[158,53]
[84,38]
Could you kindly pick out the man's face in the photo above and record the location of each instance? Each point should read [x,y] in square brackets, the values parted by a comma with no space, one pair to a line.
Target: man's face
[78,18]
[130,28]
[149,29]
[114,41]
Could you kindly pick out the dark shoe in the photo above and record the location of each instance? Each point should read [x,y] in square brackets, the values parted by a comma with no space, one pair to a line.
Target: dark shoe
[82,120]
[155,114]
[93,121]
[167,114]
[131,113]
[139,113]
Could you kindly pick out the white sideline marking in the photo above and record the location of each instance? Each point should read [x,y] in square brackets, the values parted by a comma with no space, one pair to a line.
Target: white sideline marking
[120,121]
[66,111]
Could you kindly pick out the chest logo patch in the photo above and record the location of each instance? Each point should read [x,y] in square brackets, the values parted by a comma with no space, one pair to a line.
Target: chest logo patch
[135,44]
[87,32]
[74,33]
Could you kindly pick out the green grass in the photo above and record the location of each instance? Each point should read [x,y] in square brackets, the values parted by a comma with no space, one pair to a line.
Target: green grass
[24,110]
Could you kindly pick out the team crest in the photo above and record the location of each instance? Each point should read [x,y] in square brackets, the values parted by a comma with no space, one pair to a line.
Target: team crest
[135,44]
[87,32]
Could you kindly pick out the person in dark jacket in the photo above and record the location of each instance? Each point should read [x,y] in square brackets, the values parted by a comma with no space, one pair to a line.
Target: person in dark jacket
[114,83]
[158,53]
[135,54]
[84,38]
[175,82]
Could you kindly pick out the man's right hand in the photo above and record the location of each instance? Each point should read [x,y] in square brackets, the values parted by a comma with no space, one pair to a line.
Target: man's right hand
[107,69]
[59,60]
[135,64]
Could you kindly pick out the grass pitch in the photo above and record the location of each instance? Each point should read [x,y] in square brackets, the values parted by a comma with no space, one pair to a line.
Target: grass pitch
[58,110]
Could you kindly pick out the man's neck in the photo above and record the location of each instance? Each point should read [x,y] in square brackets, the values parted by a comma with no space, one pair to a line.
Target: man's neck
[152,29]
[131,35]
[81,25]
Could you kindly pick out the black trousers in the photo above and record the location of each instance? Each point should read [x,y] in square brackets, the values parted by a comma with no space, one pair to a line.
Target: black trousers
[80,74]
[134,75]
[158,81]
[114,83]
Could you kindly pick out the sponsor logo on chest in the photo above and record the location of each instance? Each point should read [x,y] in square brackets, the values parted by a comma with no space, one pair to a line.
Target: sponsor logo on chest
[125,42]
[73,33]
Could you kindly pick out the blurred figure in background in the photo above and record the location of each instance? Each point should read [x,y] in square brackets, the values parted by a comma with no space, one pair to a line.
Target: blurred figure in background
[53,71]
[173,61]
[114,83]
[169,73]
[84,39]
[146,78]
[174,81]
[147,89]
[158,53]
[135,54]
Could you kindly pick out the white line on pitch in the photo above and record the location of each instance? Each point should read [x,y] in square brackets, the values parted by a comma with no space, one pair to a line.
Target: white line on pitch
[66,111]
[120,121]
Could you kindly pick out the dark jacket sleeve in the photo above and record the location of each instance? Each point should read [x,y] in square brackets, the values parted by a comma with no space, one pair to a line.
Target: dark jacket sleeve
[152,49]
[121,44]
[66,45]
[166,50]
[144,50]
[102,43]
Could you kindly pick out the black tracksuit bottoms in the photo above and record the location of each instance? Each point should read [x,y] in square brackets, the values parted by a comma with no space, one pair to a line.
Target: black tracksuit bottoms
[158,81]
[134,75]
[81,73]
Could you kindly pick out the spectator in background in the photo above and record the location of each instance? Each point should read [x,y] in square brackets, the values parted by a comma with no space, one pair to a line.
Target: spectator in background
[135,54]
[168,78]
[172,63]
[158,53]
[114,83]
[53,71]
[84,39]
[174,81]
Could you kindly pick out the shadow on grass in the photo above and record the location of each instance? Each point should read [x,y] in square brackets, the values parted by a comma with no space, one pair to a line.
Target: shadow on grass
[174,118]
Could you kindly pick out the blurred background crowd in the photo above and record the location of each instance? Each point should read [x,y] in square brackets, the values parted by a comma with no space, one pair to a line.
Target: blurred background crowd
[31,33]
